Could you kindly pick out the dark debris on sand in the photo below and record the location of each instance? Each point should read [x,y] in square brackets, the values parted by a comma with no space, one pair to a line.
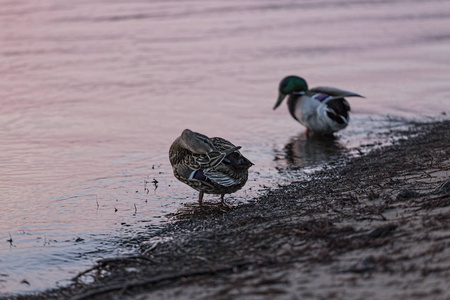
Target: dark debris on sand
[376,228]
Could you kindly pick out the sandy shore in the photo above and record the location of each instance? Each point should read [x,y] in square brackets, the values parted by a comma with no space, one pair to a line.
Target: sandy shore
[376,228]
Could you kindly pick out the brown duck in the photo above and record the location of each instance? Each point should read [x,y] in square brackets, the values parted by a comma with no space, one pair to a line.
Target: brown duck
[208,165]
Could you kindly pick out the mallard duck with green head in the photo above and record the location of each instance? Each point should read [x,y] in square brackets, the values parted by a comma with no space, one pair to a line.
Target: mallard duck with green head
[322,109]
[208,165]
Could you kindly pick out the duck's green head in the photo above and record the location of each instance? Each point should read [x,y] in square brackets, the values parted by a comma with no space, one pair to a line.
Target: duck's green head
[289,85]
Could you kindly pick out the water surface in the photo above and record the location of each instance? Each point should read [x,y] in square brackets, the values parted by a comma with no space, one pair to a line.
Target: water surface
[94,92]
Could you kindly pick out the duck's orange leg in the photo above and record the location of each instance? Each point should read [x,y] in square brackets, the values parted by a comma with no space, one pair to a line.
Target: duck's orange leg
[200,198]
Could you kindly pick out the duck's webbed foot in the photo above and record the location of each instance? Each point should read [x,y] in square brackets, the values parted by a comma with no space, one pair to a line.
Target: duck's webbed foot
[224,203]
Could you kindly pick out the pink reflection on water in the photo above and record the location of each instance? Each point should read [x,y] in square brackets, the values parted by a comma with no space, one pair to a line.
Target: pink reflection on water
[93,94]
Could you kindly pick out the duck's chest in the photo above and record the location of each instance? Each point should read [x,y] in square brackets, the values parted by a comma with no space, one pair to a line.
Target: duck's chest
[304,107]
[310,111]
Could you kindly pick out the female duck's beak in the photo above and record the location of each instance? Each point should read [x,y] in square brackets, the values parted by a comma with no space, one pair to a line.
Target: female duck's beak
[280,99]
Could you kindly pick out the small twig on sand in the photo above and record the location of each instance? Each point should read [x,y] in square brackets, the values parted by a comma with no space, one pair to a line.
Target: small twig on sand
[103,262]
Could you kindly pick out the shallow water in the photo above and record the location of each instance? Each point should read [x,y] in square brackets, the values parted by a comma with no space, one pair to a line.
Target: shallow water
[93,94]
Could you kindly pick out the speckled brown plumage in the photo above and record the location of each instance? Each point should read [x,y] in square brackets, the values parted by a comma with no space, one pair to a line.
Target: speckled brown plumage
[220,169]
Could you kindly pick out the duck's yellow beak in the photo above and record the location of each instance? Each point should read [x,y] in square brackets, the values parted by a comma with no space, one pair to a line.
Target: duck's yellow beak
[280,99]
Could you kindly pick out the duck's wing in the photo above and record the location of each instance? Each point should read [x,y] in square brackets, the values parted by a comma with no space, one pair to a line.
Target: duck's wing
[206,161]
[335,93]
[194,178]
[222,177]
[226,174]
[232,171]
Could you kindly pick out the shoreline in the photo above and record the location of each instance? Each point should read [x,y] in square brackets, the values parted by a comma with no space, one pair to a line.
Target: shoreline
[377,227]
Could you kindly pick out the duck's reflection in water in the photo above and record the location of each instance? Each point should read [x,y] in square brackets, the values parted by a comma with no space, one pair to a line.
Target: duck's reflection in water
[312,151]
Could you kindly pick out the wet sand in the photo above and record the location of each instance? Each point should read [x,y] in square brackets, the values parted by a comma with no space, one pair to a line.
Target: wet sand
[375,228]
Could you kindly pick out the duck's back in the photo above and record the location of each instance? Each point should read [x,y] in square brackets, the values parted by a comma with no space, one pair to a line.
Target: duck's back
[235,160]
